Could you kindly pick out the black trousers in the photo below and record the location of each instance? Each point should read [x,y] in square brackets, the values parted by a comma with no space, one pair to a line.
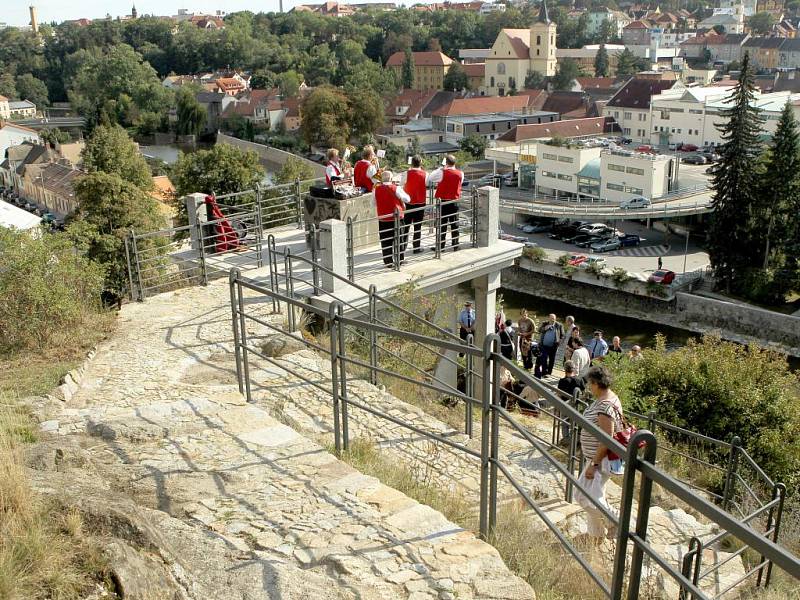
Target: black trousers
[386,235]
[546,361]
[415,214]
[449,219]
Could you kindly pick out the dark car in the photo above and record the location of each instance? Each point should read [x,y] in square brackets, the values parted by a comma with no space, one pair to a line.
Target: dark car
[711,157]
[662,276]
[695,159]
[593,239]
[688,148]
[577,239]
[630,239]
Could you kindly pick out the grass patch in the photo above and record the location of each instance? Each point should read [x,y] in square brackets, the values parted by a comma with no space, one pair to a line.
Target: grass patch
[44,552]
[37,372]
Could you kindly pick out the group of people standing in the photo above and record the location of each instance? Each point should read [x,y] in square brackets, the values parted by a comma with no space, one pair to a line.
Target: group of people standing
[407,197]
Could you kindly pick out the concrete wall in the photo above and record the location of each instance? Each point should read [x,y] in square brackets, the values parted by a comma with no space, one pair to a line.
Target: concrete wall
[735,322]
[272,158]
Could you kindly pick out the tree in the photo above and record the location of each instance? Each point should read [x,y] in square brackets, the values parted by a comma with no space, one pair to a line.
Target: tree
[456,78]
[8,86]
[33,89]
[474,144]
[534,80]
[325,118]
[289,83]
[761,23]
[108,208]
[110,150]
[601,62]
[607,31]
[407,77]
[565,75]
[191,114]
[224,169]
[735,183]
[54,136]
[366,111]
[628,64]
[293,169]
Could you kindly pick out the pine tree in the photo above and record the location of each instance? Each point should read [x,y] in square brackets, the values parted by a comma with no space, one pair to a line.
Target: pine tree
[601,62]
[736,184]
[407,77]
[780,188]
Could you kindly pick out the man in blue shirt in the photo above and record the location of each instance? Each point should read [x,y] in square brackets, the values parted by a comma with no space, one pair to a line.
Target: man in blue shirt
[598,347]
[466,321]
[551,333]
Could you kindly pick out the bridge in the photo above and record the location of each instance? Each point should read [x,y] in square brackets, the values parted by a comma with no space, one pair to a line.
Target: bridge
[681,203]
[52,123]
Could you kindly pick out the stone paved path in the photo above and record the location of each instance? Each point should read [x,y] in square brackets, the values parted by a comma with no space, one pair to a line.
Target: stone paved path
[161,399]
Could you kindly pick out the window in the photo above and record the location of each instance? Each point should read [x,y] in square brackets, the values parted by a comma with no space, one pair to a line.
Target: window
[494,127]
[694,111]
[626,131]
[491,82]
[634,171]
[665,114]
[672,110]
[478,128]
[501,68]
[679,131]
[565,177]
[548,174]
[642,116]
[613,167]
[537,52]
[616,187]
[549,156]
[628,115]
[633,190]
[616,114]
[538,40]
[566,159]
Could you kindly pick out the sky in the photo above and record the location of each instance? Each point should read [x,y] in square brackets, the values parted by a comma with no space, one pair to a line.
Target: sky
[15,12]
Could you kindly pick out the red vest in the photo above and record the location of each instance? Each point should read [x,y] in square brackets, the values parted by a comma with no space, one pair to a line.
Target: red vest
[360,178]
[449,187]
[335,168]
[415,186]
[386,201]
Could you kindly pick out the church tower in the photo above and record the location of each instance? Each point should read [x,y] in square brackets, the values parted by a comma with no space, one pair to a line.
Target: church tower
[543,44]
[134,14]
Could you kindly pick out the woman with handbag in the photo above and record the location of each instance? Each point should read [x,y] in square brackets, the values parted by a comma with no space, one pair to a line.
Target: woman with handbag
[605,413]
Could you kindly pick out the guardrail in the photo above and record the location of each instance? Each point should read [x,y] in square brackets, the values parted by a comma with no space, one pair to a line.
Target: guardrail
[596,211]
[632,534]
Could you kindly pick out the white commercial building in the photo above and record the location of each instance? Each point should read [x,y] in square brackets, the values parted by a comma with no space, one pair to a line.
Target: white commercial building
[691,115]
[14,135]
[12,217]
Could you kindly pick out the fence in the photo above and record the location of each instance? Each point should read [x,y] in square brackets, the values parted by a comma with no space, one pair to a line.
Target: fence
[482,394]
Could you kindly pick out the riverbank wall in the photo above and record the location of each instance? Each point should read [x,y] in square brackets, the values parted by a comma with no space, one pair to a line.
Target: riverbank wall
[272,158]
[731,321]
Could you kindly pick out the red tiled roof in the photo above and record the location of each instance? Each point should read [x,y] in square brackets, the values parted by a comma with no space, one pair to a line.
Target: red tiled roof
[538,98]
[474,69]
[229,83]
[569,128]
[292,106]
[415,100]
[485,105]
[636,25]
[421,59]
[637,93]
[597,83]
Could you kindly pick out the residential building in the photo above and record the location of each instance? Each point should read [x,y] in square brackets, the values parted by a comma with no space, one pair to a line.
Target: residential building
[215,104]
[773,7]
[749,7]
[571,105]
[598,87]
[5,109]
[14,135]
[691,115]
[789,54]
[291,119]
[630,106]
[476,75]
[727,48]
[585,56]
[230,86]
[408,105]
[488,126]
[517,51]
[490,7]
[473,55]
[595,19]
[51,186]
[429,68]
[207,21]
[764,52]
[730,19]
[22,109]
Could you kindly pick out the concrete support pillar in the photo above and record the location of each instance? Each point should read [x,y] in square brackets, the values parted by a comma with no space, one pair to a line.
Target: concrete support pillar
[196,212]
[485,289]
[488,216]
[333,254]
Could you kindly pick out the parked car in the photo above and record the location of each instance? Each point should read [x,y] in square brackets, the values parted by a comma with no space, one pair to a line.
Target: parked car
[576,259]
[646,148]
[635,202]
[592,228]
[630,239]
[592,240]
[695,159]
[597,261]
[526,228]
[688,148]
[711,157]
[606,245]
[493,180]
[48,217]
[578,238]
[541,227]
[662,276]
[531,245]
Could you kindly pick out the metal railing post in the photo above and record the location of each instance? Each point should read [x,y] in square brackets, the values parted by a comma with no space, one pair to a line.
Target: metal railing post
[141,294]
[373,335]
[259,229]
[243,337]
[130,266]
[343,379]
[287,270]
[314,258]
[731,471]
[332,310]
[642,515]
[573,447]
[233,276]
[298,203]
[489,345]
[690,566]
[469,388]
[396,242]
[351,275]
[437,218]
[781,492]
[494,450]
[201,245]
[474,210]
[273,272]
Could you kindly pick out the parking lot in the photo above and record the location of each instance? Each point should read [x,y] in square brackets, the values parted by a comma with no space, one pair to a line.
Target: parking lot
[641,259]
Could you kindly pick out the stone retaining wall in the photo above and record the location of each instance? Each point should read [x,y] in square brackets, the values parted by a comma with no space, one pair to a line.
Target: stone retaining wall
[272,158]
[71,382]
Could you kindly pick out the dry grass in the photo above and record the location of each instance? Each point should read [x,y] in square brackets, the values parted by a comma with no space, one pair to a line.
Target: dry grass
[43,551]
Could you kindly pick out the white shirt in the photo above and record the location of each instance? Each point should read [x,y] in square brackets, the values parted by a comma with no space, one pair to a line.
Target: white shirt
[333,170]
[581,359]
[371,170]
[436,176]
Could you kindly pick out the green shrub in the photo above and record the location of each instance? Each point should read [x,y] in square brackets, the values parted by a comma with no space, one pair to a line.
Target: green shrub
[620,277]
[536,254]
[595,268]
[656,289]
[569,270]
[563,260]
[47,290]
[722,389]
